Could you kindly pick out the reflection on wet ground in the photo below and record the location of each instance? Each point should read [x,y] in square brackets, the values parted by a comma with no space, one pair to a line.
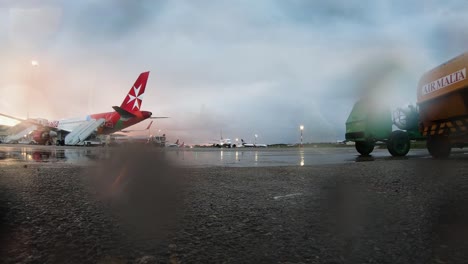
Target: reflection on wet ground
[49,154]
[280,157]
[239,157]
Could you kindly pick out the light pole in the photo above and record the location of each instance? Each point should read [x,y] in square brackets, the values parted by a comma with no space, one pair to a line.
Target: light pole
[34,63]
[256,136]
[301,127]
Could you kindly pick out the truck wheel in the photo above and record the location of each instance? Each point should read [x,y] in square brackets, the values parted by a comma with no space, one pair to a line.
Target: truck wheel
[438,146]
[364,147]
[399,143]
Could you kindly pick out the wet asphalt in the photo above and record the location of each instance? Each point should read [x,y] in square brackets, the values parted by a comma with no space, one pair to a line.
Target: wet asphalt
[311,205]
[207,157]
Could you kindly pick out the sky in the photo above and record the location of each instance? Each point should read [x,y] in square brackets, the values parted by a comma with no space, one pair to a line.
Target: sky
[237,67]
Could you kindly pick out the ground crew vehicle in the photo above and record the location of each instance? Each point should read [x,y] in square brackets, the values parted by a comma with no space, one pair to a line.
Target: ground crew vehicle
[369,122]
[443,106]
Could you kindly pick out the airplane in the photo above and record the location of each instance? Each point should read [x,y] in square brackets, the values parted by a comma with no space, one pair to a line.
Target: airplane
[178,145]
[75,131]
[255,145]
[121,137]
[174,145]
[224,142]
[147,128]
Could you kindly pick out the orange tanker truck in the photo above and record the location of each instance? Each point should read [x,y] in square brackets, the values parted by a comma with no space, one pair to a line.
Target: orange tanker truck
[443,106]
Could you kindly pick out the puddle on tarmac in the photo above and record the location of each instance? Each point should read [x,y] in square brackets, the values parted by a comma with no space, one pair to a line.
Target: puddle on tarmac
[26,154]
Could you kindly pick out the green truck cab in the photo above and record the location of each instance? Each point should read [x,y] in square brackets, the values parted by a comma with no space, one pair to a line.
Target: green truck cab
[369,123]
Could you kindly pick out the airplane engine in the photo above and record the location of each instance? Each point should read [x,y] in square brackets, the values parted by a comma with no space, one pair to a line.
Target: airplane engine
[43,136]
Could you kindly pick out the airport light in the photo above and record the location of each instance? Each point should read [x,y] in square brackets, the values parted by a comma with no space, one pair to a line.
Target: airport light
[34,63]
[301,127]
[256,136]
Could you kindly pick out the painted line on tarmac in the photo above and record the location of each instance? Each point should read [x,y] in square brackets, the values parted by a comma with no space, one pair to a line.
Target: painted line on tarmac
[286,196]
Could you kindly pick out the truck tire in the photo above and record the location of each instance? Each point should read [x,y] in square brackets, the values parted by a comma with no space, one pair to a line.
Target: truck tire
[439,146]
[399,143]
[364,147]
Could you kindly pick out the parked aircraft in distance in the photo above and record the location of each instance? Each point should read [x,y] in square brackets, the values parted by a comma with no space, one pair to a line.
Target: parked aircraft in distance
[174,145]
[254,145]
[122,137]
[224,143]
[178,145]
[75,131]
[135,130]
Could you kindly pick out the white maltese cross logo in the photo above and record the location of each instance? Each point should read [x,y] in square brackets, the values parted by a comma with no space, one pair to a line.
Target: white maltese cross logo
[137,98]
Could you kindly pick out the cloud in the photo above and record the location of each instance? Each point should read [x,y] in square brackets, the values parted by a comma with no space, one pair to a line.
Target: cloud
[260,67]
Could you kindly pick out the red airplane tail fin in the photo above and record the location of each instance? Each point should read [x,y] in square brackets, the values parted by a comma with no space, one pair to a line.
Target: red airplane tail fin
[134,98]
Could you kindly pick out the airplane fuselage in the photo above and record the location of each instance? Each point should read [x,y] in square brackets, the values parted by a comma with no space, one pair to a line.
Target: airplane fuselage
[113,121]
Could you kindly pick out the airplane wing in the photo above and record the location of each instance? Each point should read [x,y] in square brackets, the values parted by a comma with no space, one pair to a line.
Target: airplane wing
[33,122]
[12,117]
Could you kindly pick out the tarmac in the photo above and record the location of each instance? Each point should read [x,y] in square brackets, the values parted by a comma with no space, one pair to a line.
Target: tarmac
[208,157]
[307,205]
